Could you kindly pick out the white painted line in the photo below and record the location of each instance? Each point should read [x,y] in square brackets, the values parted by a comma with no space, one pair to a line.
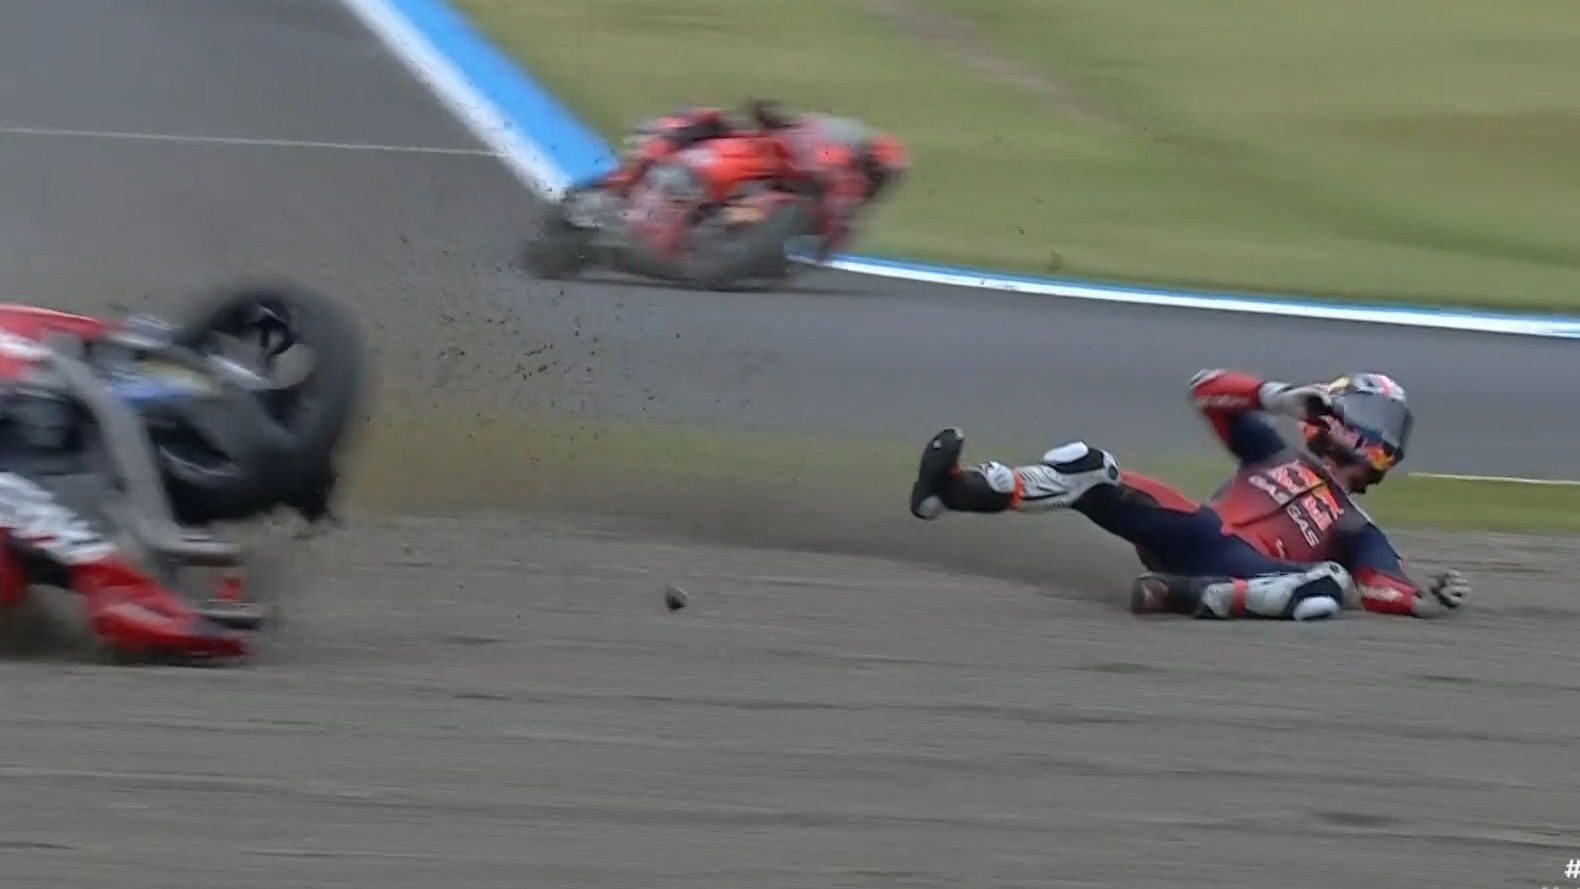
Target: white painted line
[1563,328]
[239,140]
[1501,479]
[533,166]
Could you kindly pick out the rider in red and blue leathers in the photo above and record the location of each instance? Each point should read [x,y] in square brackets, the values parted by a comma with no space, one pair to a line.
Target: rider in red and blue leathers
[1282,538]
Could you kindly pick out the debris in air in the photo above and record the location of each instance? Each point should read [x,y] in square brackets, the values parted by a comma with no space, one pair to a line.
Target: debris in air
[674,598]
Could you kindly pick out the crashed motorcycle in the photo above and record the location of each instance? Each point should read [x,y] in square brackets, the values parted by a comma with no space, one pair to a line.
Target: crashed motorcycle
[718,215]
[123,442]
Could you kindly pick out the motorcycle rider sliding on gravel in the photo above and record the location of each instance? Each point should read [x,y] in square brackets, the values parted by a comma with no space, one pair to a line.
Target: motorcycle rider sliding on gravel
[1281,539]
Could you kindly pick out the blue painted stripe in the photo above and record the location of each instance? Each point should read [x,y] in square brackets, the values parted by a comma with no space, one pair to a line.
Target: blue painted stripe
[575,148]
[581,154]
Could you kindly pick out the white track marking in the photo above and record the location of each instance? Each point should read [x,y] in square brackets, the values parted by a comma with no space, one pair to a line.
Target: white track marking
[1402,315]
[533,166]
[240,140]
[1502,479]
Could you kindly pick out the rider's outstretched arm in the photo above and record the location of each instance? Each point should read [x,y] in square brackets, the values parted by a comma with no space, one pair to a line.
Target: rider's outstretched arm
[1385,587]
[1233,403]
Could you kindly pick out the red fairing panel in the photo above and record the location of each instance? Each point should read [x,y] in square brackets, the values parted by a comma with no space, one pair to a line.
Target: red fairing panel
[23,327]
[133,614]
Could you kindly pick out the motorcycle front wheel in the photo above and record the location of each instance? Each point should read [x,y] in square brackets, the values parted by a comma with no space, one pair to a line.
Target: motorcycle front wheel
[307,349]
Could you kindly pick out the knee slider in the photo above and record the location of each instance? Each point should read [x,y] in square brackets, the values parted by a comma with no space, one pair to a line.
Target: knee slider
[1066,473]
[1314,608]
[1068,453]
[1321,591]
[1077,458]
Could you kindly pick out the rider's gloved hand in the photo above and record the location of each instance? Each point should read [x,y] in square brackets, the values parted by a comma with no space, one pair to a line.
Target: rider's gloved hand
[1301,402]
[1451,588]
[1442,594]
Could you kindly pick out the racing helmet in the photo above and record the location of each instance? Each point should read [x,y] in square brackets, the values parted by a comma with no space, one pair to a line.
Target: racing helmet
[877,157]
[1369,424]
[884,163]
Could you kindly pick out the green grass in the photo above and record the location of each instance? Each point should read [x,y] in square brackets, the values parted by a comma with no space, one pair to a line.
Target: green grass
[1381,149]
[666,470]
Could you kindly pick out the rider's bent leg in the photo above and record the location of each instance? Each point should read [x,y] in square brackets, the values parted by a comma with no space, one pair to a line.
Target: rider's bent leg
[1063,476]
[1172,532]
[1316,593]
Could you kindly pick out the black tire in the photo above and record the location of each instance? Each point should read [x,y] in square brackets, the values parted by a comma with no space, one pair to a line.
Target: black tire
[556,249]
[781,270]
[759,252]
[812,243]
[317,414]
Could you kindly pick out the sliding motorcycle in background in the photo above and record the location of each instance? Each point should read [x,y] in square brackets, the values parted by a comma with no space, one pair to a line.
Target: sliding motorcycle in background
[716,216]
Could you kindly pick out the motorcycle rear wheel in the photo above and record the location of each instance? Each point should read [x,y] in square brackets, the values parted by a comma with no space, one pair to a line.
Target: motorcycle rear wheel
[556,249]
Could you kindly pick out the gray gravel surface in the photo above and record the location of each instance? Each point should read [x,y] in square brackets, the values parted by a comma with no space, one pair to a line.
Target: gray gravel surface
[475,700]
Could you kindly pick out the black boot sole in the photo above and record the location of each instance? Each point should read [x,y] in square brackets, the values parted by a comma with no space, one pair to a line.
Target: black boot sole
[939,457]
